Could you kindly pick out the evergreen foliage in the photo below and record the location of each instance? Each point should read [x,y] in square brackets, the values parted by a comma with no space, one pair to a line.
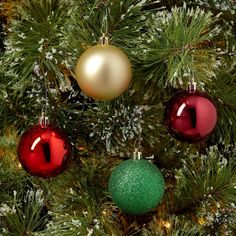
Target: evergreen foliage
[168,43]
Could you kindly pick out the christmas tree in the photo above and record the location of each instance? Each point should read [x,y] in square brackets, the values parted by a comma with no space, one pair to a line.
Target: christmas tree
[185,183]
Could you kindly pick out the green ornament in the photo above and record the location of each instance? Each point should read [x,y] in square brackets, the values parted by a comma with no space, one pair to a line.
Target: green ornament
[136,186]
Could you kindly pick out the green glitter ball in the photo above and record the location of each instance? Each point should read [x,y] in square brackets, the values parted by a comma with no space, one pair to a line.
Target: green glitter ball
[136,186]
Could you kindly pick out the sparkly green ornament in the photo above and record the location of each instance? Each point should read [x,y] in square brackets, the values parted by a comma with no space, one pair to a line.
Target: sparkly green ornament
[136,186]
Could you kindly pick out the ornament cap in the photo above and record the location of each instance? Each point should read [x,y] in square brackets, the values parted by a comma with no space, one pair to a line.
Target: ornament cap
[137,155]
[104,40]
[192,86]
[44,120]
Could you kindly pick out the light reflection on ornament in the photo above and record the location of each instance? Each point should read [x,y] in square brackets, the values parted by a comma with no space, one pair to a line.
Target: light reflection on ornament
[92,66]
[35,143]
[179,112]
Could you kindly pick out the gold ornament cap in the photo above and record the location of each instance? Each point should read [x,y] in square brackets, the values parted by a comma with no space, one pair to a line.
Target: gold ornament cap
[104,40]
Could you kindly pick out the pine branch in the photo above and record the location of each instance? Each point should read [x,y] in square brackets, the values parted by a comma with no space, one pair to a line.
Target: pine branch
[27,214]
[172,42]
[88,22]
[207,176]
[225,96]
[21,208]
[35,39]
[121,125]
[81,205]
[174,226]
[227,7]
[11,175]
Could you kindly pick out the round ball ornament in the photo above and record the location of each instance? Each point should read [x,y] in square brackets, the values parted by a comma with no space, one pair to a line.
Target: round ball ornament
[103,72]
[190,117]
[44,151]
[136,186]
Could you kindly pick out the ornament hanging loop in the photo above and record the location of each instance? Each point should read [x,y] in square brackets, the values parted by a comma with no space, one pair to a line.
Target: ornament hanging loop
[192,86]
[137,154]
[104,40]
[44,120]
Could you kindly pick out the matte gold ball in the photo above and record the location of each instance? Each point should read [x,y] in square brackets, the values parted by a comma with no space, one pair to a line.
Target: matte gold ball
[103,72]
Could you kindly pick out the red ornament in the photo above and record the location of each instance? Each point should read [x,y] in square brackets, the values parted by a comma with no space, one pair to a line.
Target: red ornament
[190,117]
[44,152]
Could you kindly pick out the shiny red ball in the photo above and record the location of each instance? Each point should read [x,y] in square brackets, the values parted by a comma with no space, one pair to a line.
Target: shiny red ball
[190,117]
[44,152]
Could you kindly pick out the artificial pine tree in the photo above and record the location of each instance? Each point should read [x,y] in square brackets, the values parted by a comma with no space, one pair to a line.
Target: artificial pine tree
[169,43]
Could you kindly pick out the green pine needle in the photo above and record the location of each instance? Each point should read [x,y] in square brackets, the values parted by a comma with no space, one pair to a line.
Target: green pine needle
[174,226]
[173,42]
[206,176]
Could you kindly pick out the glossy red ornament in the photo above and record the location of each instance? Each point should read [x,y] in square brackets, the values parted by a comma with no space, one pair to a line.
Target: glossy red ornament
[190,117]
[44,152]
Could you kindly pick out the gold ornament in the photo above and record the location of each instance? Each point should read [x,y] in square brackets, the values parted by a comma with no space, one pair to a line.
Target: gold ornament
[103,71]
